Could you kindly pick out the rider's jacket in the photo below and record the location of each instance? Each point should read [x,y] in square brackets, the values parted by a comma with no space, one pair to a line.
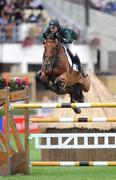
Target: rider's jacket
[65,35]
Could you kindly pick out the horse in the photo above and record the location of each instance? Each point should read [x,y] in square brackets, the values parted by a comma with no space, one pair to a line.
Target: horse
[57,73]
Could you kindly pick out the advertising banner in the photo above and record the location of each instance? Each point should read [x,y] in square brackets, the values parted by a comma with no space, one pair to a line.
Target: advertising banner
[19,120]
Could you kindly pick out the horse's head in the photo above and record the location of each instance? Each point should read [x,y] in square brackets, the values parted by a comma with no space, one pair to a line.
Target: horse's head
[51,50]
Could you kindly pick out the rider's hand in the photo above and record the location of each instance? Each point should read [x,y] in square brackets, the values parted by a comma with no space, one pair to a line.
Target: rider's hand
[64,40]
[67,40]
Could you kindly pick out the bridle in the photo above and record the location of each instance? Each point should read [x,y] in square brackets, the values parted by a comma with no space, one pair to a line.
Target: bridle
[52,60]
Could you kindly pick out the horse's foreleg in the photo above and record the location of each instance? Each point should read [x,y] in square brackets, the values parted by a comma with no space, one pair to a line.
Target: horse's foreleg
[44,78]
[72,100]
[61,81]
[85,83]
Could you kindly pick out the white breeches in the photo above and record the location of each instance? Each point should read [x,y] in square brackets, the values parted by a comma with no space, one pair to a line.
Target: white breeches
[71,48]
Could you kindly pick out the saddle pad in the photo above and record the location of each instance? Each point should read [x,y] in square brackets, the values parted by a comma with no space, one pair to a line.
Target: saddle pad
[74,66]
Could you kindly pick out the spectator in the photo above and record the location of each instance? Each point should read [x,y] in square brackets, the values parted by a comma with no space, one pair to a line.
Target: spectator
[111,7]
[36,4]
[22,31]
[15,26]
[18,16]
[32,18]
[98,4]
[8,8]
[2,4]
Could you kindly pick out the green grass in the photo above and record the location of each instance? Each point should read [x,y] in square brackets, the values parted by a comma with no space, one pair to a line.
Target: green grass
[68,173]
[18,112]
[63,173]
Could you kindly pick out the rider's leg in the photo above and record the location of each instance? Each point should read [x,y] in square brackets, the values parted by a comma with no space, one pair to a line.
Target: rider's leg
[77,60]
[70,46]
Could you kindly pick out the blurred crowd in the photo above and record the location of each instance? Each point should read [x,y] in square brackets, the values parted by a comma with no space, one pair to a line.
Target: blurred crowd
[22,20]
[107,6]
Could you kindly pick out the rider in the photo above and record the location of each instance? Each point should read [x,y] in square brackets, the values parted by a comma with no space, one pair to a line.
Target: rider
[66,36]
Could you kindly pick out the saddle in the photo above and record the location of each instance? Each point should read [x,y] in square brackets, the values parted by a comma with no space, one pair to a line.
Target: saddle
[75,60]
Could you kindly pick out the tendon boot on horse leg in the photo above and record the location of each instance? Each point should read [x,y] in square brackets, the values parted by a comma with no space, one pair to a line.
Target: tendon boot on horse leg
[76,110]
[77,96]
[60,86]
[78,93]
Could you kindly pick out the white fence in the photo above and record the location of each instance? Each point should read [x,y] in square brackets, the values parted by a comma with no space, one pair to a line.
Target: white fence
[75,141]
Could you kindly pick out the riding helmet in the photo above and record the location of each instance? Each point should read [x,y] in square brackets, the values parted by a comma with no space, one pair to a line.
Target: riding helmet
[54,23]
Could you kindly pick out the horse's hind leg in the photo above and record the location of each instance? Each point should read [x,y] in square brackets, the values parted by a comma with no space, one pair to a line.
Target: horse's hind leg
[78,93]
[76,110]
[77,96]
[86,84]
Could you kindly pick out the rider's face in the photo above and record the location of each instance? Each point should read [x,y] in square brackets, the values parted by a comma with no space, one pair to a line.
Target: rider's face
[54,29]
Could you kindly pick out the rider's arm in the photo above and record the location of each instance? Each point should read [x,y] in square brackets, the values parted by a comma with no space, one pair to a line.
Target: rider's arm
[67,38]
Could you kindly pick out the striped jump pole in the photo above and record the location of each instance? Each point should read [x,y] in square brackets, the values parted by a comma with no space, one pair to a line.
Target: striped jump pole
[73,163]
[64,105]
[71,119]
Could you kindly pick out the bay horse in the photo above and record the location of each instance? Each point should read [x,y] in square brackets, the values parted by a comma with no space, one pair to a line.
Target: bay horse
[59,76]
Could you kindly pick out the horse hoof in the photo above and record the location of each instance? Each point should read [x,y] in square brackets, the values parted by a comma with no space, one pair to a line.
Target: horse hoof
[60,86]
[77,110]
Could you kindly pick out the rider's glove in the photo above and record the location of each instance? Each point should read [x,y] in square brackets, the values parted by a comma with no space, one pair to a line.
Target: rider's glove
[67,40]
[64,40]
